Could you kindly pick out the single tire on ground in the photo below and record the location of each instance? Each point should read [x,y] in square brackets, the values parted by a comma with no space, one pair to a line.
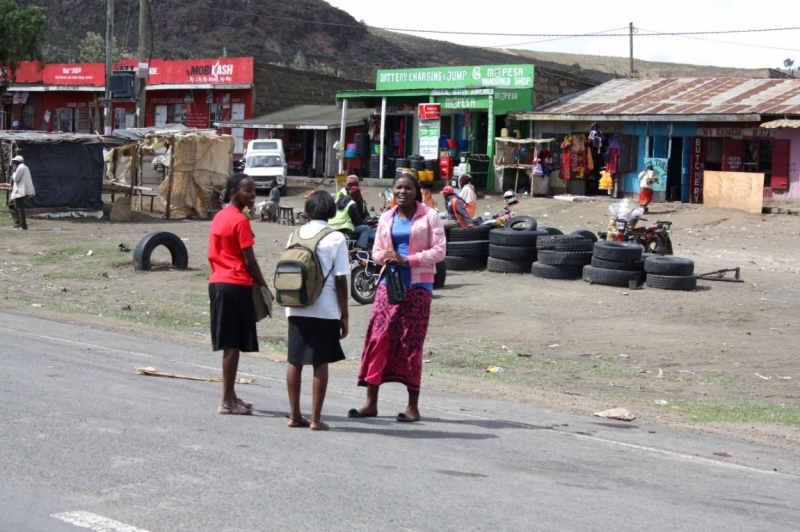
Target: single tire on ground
[509,237]
[472,248]
[464,264]
[521,223]
[564,243]
[550,230]
[549,271]
[610,277]
[618,251]
[512,252]
[441,275]
[571,258]
[508,266]
[672,282]
[586,234]
[150,241]
[468,234]
[637,266]
[675,266]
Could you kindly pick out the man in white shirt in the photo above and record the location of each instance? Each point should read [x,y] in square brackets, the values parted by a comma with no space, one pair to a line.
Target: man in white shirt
[22,188]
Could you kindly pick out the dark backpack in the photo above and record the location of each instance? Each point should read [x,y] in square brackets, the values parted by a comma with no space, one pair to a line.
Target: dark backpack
[298,275]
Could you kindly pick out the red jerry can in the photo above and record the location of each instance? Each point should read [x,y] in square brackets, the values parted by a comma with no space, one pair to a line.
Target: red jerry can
[445,167]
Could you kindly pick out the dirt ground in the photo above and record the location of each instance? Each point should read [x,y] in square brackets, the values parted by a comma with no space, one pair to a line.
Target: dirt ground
[722,359]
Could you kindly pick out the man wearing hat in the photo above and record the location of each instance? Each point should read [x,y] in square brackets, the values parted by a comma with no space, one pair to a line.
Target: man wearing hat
[21,189]
[457,213]
[352,181]
[350,217]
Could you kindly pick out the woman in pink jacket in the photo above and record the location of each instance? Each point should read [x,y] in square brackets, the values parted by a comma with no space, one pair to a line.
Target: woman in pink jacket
[411,237]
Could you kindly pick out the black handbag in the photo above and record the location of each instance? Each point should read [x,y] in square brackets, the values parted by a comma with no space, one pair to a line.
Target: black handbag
[395,289]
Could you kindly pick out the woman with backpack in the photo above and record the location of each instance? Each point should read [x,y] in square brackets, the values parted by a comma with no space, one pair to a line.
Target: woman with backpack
[234,269]
[315,329]
[410,237]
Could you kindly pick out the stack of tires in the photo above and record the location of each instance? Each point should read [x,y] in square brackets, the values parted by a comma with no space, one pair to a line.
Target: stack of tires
[670,273]
[512,248]
[467,248]
[615,264]
[562,256]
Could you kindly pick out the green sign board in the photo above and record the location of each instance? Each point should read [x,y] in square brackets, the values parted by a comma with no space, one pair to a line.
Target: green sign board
[504,100]
[459,77]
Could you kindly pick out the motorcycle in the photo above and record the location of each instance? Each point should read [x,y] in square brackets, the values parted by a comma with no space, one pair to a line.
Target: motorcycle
[625,217]
[364,271]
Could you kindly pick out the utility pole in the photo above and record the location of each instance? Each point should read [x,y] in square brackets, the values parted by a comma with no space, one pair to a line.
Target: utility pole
[107,111]
[630,27]
[144,67]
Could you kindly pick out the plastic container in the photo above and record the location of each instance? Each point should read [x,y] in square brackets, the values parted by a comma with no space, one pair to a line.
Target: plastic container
[463,144]
[376,148]
[452,144]
[351,146]
[350,153]
[431,164]
[453,153]
[504,132]
[402,162]
[443,141]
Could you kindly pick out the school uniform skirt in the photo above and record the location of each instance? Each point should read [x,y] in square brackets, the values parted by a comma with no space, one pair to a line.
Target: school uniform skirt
[314,341]
[233,317]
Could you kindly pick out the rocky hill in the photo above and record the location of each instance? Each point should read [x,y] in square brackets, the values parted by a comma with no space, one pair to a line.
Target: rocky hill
[290,33]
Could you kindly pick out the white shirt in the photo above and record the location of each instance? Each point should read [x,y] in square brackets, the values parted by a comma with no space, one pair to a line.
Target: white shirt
[646,179]
[332,253]
[23,183]
[468,194]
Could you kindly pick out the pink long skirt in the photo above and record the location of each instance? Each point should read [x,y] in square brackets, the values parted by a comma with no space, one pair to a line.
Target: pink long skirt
[395,338]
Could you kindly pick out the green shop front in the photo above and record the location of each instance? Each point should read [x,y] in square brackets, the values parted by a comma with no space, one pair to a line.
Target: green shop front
[440,116]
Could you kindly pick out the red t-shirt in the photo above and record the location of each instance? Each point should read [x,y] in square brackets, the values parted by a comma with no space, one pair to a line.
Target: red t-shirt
[230,234]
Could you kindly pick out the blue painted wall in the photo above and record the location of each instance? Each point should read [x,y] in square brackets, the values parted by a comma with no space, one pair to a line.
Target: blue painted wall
[660,133]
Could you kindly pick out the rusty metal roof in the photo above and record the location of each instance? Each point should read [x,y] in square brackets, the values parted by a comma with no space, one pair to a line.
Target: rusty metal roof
[676,99]
[794,124]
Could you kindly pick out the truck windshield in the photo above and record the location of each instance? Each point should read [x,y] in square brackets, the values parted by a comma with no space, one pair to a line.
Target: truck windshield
[264,161]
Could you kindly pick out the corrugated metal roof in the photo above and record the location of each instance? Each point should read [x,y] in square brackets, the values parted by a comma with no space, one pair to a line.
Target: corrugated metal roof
[676,99]
[302,117]
[794,124]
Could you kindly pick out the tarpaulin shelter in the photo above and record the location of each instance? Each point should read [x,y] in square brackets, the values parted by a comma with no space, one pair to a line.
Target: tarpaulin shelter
[198,164]
[67,168]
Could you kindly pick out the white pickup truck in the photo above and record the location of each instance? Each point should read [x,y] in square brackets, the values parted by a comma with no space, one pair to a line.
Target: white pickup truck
[265,161]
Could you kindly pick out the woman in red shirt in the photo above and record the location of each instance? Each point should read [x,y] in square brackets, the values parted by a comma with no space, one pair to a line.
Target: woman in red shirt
[234,269]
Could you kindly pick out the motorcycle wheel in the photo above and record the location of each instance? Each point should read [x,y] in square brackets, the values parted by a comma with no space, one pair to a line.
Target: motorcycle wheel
[363,285]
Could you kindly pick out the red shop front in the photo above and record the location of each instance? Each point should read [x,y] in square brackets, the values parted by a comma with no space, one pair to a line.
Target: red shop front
[199,92]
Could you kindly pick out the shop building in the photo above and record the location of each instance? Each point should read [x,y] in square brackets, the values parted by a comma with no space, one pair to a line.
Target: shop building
[196,93]
[472,105]
[683,126]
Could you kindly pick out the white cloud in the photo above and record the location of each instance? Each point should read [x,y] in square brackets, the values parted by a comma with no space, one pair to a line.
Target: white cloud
[517,16]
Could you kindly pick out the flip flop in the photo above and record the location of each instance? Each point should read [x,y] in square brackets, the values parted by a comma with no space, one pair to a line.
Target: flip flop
[244,403]
[301,423]
[318,424]
[355,413]
[403,418]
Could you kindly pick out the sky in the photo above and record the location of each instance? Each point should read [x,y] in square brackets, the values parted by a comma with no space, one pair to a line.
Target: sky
[518,16]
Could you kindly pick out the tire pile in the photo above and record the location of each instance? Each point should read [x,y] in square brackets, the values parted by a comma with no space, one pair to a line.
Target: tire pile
[670,273]
[615,264]
[562,256]
[467,248]
[512,251]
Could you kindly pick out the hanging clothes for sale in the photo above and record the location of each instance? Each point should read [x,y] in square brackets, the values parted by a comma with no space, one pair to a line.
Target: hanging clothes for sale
[606,180]
[566,159]
[612,159]
[578,158]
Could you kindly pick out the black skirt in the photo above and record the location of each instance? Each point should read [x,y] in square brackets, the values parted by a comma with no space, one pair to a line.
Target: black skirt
[314,341]
[233,317]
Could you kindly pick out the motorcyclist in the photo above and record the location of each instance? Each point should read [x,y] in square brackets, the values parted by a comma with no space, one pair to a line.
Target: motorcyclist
[457,213]
[509,200]
[352,181]
[623,210]
[349,217]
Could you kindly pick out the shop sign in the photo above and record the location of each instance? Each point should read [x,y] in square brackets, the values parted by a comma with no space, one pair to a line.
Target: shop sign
[71,75]
[459,77]
[198,71]
[20,98]
[659,171]
[429,138]
[512,100]
[697,160]
[734,132]
[429,111]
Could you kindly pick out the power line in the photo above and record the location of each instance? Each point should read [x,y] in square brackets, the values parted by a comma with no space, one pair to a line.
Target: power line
[491,34]
[554,39]
[731,42]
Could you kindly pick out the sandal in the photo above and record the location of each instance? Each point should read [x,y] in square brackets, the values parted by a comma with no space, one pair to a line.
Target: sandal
[318,424]
[295,423]
[234,409]
[243,403]
[356,414]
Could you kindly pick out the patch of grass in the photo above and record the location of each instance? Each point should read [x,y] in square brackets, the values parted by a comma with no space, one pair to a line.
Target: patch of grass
[743,412]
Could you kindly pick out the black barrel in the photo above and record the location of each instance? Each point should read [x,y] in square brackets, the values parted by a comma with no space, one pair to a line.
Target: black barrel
[390,168]
[361,141]
[431,164]
[402,162]
[417,164]
[374,165]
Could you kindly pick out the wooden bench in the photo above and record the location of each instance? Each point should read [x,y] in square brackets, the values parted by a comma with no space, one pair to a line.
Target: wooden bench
[286,215]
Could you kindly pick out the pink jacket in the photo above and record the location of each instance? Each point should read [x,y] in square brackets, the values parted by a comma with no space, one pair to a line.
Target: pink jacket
[426,245]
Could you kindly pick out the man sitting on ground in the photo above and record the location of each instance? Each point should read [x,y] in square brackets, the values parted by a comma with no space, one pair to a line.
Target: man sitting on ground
[457,214]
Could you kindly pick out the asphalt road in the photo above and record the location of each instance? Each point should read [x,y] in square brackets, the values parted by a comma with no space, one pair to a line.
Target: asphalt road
[86,440]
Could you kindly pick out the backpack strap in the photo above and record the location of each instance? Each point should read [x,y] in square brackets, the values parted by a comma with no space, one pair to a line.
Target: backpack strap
[312,243]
